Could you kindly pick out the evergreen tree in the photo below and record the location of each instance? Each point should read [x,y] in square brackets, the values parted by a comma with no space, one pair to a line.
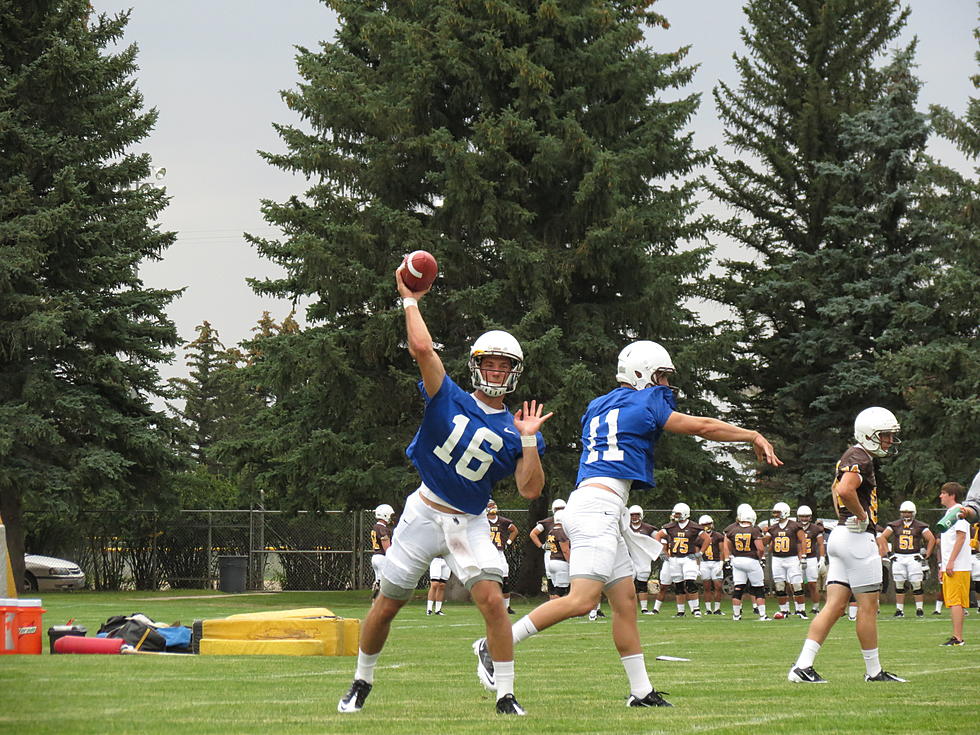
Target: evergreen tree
[80,335]
[817,300]
[201,393]
[539,150]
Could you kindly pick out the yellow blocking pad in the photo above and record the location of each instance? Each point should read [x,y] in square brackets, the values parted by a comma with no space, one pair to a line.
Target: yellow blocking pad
[302,612]
[260,648]
[330,636]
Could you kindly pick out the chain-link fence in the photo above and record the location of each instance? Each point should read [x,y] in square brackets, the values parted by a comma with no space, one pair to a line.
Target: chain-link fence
[286,551]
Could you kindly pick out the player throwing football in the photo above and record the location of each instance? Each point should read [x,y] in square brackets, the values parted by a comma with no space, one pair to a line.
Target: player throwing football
[465,444]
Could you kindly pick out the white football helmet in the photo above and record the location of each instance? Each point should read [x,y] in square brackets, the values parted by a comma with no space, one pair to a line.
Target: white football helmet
[502,344]
[681,512]
[907,507]
[559,518]
[636,510]
[557,504]
[705,521]
[384,512]
[745,514]
[780,511]
[804,514]
[870,424]
[640,362]
[491,507]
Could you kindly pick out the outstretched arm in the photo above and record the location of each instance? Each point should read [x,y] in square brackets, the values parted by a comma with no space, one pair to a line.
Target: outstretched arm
[420,345]
[529,474]
[720,431]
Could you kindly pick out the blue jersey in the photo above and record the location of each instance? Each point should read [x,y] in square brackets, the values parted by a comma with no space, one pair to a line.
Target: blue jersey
[461,450]
[620,431]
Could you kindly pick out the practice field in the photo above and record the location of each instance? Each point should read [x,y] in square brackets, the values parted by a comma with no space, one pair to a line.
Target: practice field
[569,678]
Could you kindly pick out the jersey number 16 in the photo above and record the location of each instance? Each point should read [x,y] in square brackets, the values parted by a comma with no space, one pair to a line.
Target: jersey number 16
[473,452]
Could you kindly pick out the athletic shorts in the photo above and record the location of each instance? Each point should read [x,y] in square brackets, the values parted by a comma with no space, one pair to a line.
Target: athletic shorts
[503,563]
[683,568]
[665,572]
[906,569]
[377,564]
[787,569]
[421,535]
[711,570]
[854,560]
[558,572]
[439,570]
[956,589]
[641,574]
[747,569]
[592,522]
[810,567]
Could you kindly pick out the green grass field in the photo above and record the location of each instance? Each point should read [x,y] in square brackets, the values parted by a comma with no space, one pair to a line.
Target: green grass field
[569,678]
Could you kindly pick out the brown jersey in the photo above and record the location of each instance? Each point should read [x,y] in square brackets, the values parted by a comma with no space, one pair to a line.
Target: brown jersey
[555,539]
[784,540]
[907,537]
[743,539]
[644,529]
[810,532]
[379,532]
[500,531]
[547,524]
[682,541]
[713,551]
[857,459]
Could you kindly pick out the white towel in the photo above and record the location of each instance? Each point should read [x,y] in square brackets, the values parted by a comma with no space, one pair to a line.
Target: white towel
[454,529]
[642,549]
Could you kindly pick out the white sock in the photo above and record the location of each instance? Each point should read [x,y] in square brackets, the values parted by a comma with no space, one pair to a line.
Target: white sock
[900,606]
[523,629]
[438,605]
[680,607]
[784,607]
[643,604]
[693,604]
[503,674]
[871,664]
[852,611]
[428,605]
[918,604]
[939,605]
[736,607]
[365,666]
[507,603]
[808,655]
[636,672]
[657,604]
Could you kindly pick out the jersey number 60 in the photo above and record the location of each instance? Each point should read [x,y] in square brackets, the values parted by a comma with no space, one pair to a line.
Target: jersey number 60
[473,452]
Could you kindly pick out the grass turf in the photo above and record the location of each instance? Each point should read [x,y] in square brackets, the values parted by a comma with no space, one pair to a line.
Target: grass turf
[568,678]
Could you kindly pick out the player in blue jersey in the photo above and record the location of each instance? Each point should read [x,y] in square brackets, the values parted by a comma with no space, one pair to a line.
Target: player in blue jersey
[465,443]
[619,434]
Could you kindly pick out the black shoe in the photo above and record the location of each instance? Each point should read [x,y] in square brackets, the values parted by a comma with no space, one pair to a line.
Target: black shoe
[428,612]
[654,612]
[936,612]
[646,612]
[805,676]
[954,641]
[884,676]
[718,612]
[600,614]
[899,614]
[354,699]
[653,699]
[507,705]
[814,611]
[484,664]
[679,615]
[510,611]
[438,612]
[920,613]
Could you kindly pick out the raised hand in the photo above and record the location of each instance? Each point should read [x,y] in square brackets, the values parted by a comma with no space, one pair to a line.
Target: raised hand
[528,420]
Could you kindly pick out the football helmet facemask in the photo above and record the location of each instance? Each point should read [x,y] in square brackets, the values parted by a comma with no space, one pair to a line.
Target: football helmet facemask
[870,424]
[803,514]
[907,510]
[706,521]
[780,511]
[681,512]
[499,344]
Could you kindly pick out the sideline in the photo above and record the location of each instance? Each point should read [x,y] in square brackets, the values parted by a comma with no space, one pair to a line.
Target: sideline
[223,595]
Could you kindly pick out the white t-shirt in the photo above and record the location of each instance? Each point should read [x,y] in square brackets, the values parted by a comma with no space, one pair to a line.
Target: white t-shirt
[963,562]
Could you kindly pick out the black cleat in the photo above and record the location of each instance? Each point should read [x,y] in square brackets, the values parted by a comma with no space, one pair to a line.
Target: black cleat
[484,665]
[653,699]
[510,611]
[953,641]
[507,705]
[654,612]
[354,699]
[679,615]
[899,614]
[884,676]
[438,612]
[936,612]
[920,613]
[805,676]
[428,612]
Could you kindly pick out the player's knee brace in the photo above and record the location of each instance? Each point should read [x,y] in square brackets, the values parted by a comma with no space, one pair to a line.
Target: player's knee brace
[678,588]
[798,589]
[780,588]
[759,591]
[505,587]
[640,586]
[738,591]
[562,591]
[552,590]
[690,586]
[916,588]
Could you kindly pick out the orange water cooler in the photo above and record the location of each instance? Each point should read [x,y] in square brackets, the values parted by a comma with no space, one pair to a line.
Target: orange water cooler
[20,626]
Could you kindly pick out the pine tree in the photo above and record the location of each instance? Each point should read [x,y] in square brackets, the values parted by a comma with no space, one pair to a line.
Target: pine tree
[817,293]
[80,335]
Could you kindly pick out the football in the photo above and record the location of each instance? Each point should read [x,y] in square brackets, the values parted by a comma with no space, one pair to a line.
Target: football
[419,270]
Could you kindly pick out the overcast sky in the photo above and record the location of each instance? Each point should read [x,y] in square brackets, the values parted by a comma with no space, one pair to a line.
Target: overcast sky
[214,69]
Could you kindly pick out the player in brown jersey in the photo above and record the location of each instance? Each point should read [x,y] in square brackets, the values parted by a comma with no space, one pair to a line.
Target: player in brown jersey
[787,544]
[713,556]
[380,541]
[641,567]
[855,564]
[906,537]
[813,555]
[680,540]
[539,537]
[502,533]
[559,556]
[745,546]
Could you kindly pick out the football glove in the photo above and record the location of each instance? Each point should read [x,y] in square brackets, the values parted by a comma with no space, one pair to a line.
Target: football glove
[821,566]
[918,557]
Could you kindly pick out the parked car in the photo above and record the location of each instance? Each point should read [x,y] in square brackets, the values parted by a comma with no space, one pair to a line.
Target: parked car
[48,573]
